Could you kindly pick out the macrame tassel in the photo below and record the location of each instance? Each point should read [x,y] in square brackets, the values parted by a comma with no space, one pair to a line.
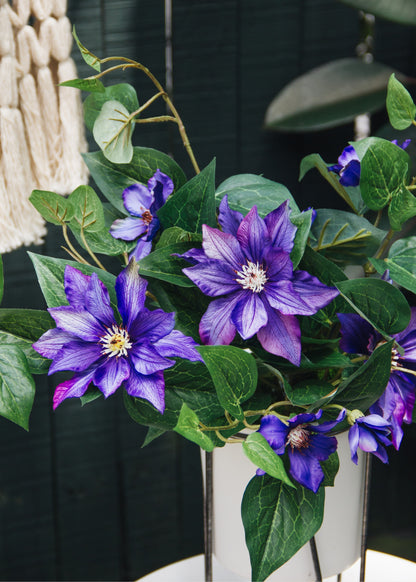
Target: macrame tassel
[41,128]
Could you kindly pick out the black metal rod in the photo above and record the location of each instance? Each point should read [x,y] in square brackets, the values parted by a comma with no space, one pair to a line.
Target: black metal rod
[364,526]
[208,495]
[315,558]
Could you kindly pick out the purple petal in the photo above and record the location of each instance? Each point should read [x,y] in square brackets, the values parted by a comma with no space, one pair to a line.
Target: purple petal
[281,336]
[176,344]
[142,249]
[216,327]
[150,388]
[97,301]
[354,439]
[355,333]
[279,265]
[110,375]
[128,228]
[249,314]
[350,175]
[146,360]
[194,256]
[49,344]
[281,231]
[368,441]
[306,470]
[73,388]
[373,421]
[213,277]
[76,284]
[252,235]
[330,424]
[131,293]
[222,246]
[229,219]
[313,292]
[151,326]
[282,296]
[137,199]
[321,446]
[76,355]
[275,432]
[161,186]
[77,321]
[348,155]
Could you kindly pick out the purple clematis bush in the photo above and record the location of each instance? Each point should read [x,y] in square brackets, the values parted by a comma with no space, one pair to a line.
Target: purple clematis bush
[92,342]
[226,312]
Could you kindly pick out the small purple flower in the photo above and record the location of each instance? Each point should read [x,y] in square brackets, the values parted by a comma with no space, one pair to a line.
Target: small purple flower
[91,341]
[396,403]
[348,167]
[306,444]
[369,433]
[142,203]
[247,268]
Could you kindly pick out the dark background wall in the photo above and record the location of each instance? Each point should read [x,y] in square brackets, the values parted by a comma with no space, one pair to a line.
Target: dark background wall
[79,498]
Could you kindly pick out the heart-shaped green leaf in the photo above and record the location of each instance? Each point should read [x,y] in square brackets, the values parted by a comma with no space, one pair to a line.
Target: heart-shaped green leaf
[113,130]
[399,103]
[258,450]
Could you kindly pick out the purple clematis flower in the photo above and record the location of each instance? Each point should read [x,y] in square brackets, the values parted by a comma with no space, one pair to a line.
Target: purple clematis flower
[247,268]
[142,203]
[397,401]
[306,444]
[369,433]
[349,166]
[89,340]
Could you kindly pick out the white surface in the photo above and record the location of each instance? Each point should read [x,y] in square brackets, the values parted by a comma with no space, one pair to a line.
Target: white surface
[379,568]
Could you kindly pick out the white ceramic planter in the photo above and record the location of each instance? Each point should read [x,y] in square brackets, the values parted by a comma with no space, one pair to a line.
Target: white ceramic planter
[338,540]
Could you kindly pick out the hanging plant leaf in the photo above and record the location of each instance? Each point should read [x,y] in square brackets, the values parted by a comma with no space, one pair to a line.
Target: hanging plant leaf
[123,93]
[399,103]
[402,11]
[329,95]
[112,131]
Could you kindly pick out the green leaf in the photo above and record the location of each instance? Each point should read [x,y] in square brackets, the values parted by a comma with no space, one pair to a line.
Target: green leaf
[308,391]
[88,57]
[234,373]
[113,130]
[258,450]
[379,302]
[123,93]
[27,324]
[246,190]
[330,468]
[278,520]
[50,274]
[36,363]
[320,267]
[315,161]
[188,426]
[91,85]
[399,103]
[402,11]
[17,388]
[193,204]
[384,169]
[87,209]
[402,207]
[303,223]
[344,237]
[164,265]
[175,235]
[112,179]
[367,384]
[53,207]
[329,95]
[401,263]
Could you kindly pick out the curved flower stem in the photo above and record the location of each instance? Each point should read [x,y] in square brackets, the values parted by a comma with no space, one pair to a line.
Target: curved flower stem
[129,63]
[384,244]
[90,252]
[227,440]
[252,426]
[72,250]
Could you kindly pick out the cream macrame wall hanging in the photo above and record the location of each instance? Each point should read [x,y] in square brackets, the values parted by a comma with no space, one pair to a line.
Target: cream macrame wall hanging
[41,129]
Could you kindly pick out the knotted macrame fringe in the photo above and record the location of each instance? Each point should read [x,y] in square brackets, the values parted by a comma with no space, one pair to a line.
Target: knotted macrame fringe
[41,127]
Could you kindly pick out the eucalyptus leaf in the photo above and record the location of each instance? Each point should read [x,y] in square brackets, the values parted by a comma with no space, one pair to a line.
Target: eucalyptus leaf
[258,450]
[399,104]
[234,374]
[329,95]
[122,92]
[87,55]
[382,304]
[113,130]
[193,204]
[91,85]
[278,520]
[53,207]
[402,11]
[87,210]
[188,426]
[17,388]
[112,179]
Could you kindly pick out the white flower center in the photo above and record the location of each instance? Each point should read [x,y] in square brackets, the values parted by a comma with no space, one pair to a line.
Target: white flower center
[252,276]
[298,437]
[115,342]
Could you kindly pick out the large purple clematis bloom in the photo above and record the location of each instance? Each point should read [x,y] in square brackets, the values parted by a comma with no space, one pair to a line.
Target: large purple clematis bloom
[306,444]
[89,340]
[247,268]
[142,203]
[369,433]
[397,401]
